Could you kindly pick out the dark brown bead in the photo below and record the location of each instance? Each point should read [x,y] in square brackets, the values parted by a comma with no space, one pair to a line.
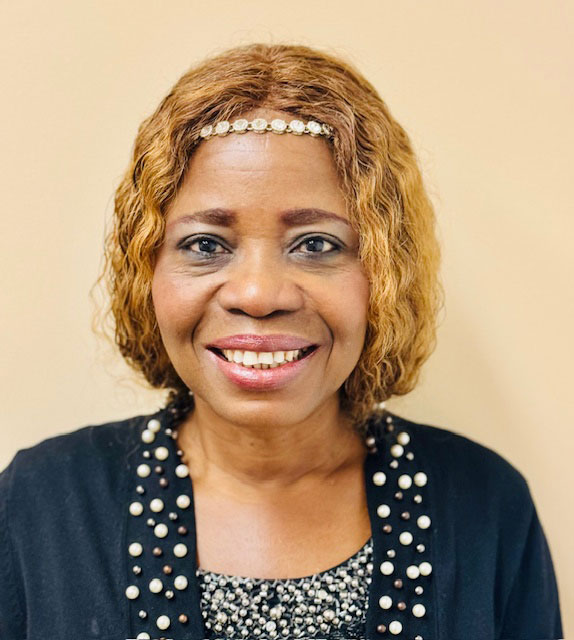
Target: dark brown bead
[159,470]
[398,584]
[405,515]
[182,618]
[157,552]
[389,428]
[167,570]
[381,628]
[387,528]
[163,482]
[401,606]
[399,495]
[182,530]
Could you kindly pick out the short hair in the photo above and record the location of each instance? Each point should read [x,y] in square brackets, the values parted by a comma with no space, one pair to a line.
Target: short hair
[381,181]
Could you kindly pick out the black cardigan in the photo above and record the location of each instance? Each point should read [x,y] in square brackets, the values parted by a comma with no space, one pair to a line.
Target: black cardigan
[483,564]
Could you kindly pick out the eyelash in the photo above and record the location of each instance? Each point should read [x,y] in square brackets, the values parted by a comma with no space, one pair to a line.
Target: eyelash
[186,244]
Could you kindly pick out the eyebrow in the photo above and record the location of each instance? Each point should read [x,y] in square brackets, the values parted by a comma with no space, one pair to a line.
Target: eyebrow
[290,217]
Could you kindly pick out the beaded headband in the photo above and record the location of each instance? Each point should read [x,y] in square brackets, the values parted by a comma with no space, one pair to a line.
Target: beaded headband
[260,125]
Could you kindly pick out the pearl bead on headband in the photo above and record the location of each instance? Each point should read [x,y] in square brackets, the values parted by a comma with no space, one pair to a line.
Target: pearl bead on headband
[260,125]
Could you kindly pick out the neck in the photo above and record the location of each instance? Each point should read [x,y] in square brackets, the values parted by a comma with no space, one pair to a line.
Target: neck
[268,455]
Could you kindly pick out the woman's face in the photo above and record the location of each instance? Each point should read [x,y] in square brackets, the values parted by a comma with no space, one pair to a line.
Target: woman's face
[258,244]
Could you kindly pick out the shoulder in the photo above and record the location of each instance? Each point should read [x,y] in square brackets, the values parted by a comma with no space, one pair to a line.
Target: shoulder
[471,472]
[88,452]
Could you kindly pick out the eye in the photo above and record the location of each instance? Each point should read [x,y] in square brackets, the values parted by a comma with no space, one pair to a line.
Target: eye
[206,245]
[316,244]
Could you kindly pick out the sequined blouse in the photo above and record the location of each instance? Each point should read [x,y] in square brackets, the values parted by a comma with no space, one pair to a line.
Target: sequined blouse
[331,603]
[98,541]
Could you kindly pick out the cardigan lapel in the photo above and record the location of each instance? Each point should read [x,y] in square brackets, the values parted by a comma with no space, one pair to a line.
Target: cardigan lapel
[162,587]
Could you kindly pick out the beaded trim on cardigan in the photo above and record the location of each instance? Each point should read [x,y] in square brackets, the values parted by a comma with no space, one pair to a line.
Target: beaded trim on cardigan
[165,596]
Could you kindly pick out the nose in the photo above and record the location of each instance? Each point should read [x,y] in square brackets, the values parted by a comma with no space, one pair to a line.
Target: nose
[260,284]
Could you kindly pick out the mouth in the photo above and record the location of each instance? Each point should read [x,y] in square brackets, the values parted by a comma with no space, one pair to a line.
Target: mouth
[262,359]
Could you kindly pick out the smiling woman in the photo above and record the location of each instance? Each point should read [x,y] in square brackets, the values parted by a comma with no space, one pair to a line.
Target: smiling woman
[273,265]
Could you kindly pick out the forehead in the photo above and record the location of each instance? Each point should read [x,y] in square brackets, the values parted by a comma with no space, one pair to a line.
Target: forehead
[261,170]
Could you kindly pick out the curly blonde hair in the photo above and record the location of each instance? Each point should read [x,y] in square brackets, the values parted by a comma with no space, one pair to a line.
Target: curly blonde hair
[387,205]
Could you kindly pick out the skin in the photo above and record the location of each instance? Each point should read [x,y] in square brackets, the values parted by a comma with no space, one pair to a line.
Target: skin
[283,466]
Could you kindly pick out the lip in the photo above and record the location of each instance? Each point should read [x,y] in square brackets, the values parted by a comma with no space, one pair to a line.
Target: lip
[261,379]
[254,342]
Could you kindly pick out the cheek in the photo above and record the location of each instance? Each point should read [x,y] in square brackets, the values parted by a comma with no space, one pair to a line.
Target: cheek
[176,303]
[349,304]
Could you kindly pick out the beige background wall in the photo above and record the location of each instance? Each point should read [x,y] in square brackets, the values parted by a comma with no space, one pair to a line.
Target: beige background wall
[484,89]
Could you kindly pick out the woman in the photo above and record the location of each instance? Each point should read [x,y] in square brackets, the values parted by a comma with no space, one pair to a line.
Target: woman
[273,264]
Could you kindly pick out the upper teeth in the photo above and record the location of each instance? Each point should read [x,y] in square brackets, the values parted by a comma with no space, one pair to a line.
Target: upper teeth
[271,358]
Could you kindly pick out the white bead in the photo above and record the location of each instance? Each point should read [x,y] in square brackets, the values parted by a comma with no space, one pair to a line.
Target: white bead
[385,602]
[379,478]
[182,471]
[297,126]
[136,508]
[403,438]
[183,501]
[406,537]
[160,530]
[419,610]
[383,511]
[397,451]
[180,550]
[180,582]
[144,635]
[148,436]
[204,133]
[135,549]
[154,425]
[163,623]
[278,125]
[143,470]
[425,568]
[405,481]
[161,453]
[132,592]
[221,128]
[424,522]
[155,585]
[314,127]
[413,572]
[259,124]
[420,479]
[387,568]
[240,125]
[395,627]
[156,505]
